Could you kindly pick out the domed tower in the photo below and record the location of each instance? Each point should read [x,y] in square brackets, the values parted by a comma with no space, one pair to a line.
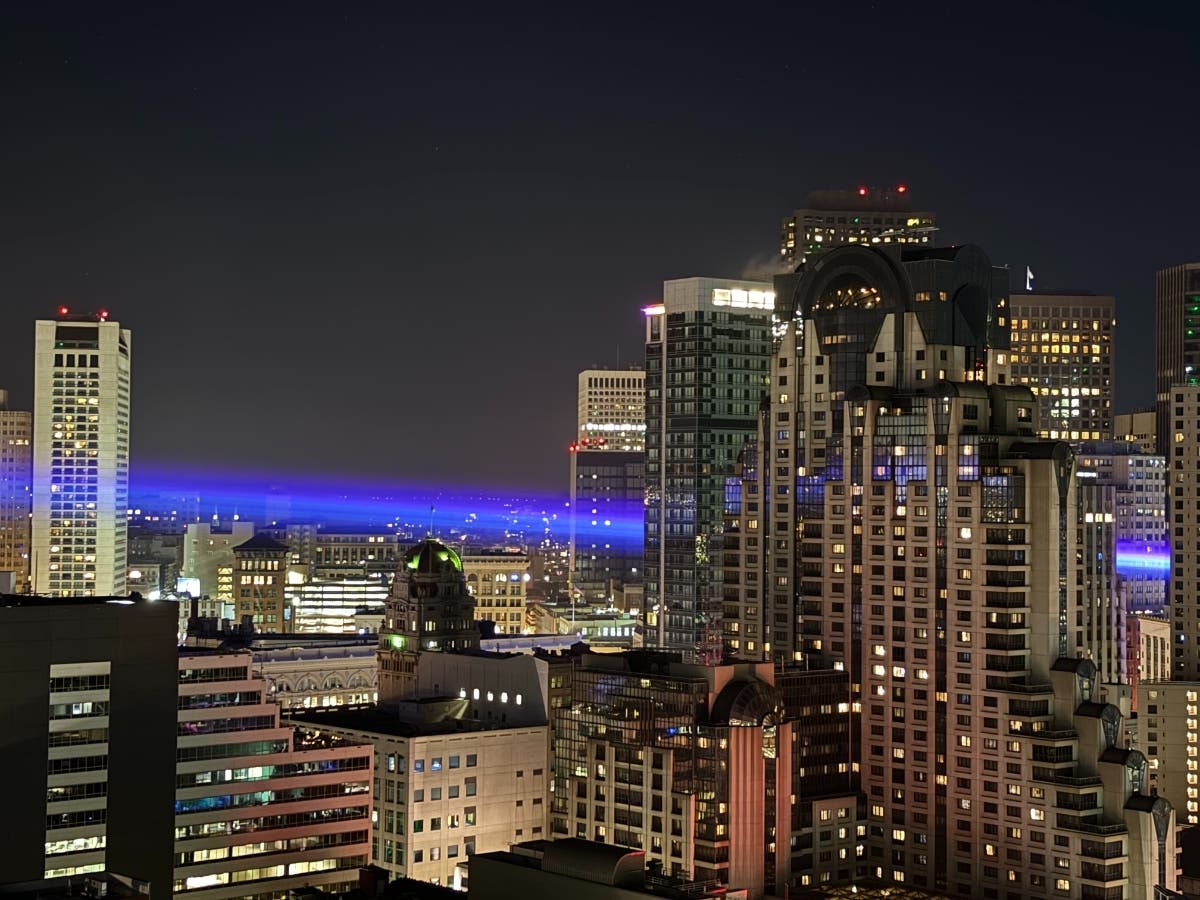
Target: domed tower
[429,608]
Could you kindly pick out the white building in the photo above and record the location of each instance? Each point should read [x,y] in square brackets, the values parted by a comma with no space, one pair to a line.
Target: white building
[448,789]
[612,409]
[80,456]
[342,606]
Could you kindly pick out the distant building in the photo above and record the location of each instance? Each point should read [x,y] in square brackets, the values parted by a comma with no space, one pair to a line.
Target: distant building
[863,215]
[208,556]
[80,456]
[1154,633]
[260,583]
[342,606]
[1137,427]
[89,737]
[612,410]
[1169,730]
[1183,475]
[497,580]
[608,496]
[1063,349]
[1176,342]
[16,480]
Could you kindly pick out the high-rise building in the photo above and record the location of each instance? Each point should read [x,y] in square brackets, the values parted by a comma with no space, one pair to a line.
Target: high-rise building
[608,494]
[16,479]
[1183,522]
[260,583]
[1169,730]
[863,215]
[89,737]
[910,528]
[1176,341]
[80,456]
[1137,427]
[1062,348]
[259,809]
[612,409]
[429,609]
[708,348]
[1142,552]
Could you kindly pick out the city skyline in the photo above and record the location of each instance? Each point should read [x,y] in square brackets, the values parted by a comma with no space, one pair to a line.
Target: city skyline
[299,222]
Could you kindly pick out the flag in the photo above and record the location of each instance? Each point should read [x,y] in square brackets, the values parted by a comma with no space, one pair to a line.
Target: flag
[1028,278]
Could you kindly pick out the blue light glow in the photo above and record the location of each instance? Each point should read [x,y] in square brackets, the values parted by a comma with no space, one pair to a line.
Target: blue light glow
[1143,558]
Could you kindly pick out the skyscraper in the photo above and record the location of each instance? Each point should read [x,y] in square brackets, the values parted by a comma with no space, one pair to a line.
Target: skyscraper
[1183,523]
[1176,339]
[911,529]
[80,456]
[16,476]
[608,481]
[863,215]
[1062,347]
[708,350]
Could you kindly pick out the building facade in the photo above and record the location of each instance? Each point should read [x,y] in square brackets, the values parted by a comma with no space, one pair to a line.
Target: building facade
[260,583]
[612,410]
[1138,427]
[608,494]
[903,523]
[707,357]
[208,557]
[1062,348]
[863,215]
[343,606]
[260,811]
[16,481]
[1183,521]
[1169,730]
[1176,342]
[80,456]
[497,579]
[89,721]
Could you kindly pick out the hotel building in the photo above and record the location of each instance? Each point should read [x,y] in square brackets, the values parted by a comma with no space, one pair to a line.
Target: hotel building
[911,529]
[1062,348]
[80,456]
[707,359]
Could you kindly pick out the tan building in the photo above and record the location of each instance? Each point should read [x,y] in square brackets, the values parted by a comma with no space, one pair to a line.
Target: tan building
[1183,523]
[1155,648]
[497,579]
[16,479]
[1062,349]
[1169,731]
[260,811]
[208,556]
[449,788]
[260,583]
[1137,427]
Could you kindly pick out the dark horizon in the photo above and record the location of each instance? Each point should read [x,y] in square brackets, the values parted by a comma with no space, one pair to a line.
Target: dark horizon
[382,243]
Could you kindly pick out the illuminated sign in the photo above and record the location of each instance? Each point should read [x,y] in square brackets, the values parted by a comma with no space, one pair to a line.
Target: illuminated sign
[741,298]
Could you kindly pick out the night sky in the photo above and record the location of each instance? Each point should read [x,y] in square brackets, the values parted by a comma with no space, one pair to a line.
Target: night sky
[380,241]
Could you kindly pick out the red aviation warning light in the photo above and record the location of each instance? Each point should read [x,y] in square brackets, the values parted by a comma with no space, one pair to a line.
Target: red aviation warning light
[862,192]
[901,188]
[64,310]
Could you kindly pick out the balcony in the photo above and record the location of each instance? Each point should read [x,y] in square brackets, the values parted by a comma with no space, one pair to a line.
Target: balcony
[1098,872]
[1102,850]
[1088,826]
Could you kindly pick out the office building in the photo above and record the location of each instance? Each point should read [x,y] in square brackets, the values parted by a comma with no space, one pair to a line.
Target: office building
[450,787]
[208,557]
[89,737]
[1137,427]
[1169,730]
[708,349]
[734,774]
[429,609]
[343,606]
[1062,348]
[497,579]
[612,410]
[80,456]
[260,583]
[333,554]
[1183,521]
[608,491]
[1142,549]
[259,810]
[910,528]
[16,481]
[1176,342]
[863,215]
[1154,638]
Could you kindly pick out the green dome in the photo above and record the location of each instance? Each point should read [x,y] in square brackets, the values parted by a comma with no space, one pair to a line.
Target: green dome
[431,557]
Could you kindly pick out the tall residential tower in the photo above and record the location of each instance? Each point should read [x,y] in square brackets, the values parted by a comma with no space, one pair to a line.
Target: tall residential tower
[80,456]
